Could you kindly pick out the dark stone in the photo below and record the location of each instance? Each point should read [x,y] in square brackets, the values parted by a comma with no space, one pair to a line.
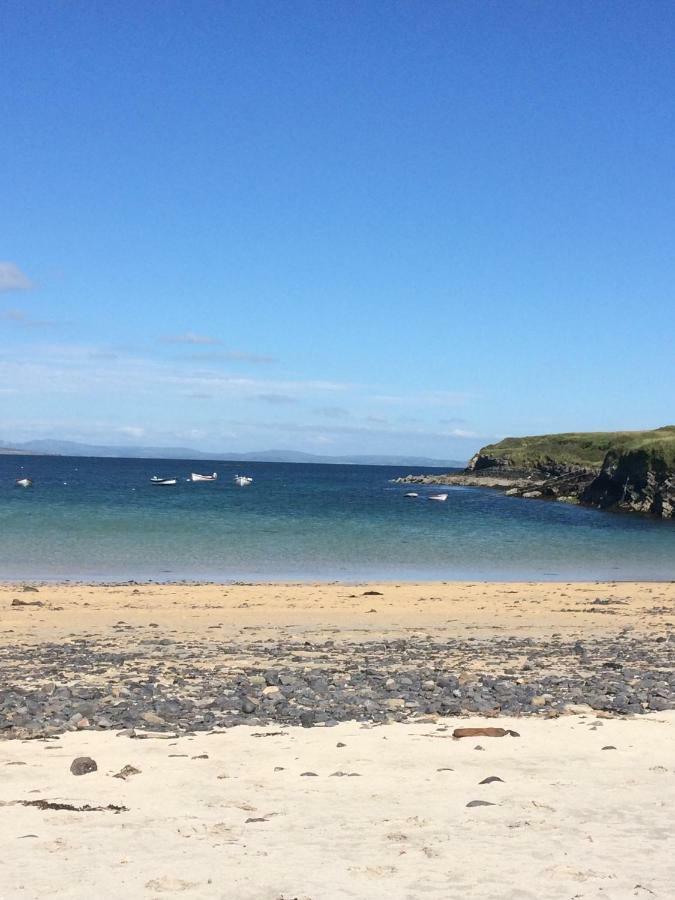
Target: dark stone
[83,765]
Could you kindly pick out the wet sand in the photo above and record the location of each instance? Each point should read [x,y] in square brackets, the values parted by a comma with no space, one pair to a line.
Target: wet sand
[346,612]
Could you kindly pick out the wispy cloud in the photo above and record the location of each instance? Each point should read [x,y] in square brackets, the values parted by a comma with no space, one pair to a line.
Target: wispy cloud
[425,398]
[454,420]
[369,429]
[13,279]
[332,412]
[464,433]
[73,368]
[133,431]
[21,318]
[189,337]
[377,420]
[277,399]
[242,356]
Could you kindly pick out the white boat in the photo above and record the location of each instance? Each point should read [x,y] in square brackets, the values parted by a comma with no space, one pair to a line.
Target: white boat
[164,482]
[196,477]
[440,497]
[411,494]
[242,480]
[24,482]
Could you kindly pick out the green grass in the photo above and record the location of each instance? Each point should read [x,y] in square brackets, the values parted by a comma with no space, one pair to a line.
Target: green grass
[587,449]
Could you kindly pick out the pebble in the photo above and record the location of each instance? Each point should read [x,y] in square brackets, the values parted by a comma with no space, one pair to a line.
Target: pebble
[152,718]
[199,686]
[127,772]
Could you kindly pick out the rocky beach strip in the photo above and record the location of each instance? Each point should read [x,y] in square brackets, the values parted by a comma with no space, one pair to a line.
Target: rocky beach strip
[142,676]
[194,686]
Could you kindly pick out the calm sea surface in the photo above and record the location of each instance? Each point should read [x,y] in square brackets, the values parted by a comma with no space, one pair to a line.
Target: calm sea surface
[101,519]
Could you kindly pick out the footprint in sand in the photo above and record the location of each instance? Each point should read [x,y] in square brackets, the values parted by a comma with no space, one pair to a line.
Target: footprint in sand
[169,885]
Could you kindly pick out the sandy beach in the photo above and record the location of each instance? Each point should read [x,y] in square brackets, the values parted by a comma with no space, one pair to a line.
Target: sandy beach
[238,815]
[348,611]
[296,741]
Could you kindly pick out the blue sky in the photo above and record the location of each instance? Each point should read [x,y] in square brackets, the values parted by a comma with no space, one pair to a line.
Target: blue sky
[338,227]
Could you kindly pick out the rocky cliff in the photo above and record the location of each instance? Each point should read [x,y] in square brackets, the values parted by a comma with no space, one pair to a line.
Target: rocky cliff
[640,480]
[626,470]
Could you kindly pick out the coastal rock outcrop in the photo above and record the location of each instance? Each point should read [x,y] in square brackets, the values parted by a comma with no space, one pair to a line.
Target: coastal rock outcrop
[636,481]
[623,471]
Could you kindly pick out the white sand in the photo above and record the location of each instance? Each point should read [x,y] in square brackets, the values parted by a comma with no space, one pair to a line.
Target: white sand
[571,820]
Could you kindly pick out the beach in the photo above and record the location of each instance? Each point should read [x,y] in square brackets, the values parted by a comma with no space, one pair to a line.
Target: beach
[296,740]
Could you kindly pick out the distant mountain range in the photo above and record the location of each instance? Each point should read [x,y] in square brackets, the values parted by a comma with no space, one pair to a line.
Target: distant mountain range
[74,448]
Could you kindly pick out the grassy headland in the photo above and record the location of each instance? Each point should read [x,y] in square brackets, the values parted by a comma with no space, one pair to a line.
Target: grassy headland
[586,450]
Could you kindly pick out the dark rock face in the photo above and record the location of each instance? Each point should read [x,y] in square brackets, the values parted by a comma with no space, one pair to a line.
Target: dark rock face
[481,461]
[636,481]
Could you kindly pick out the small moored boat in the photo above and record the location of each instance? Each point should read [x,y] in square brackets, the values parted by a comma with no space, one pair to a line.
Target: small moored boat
[163,482]
[194,476]
[24,482]
[440,497]
[242,480]
[411,494]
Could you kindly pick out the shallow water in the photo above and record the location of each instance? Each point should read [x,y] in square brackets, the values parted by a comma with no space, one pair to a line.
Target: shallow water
[101,519]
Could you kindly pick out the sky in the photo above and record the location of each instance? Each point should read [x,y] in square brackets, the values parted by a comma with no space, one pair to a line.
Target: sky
[338,227]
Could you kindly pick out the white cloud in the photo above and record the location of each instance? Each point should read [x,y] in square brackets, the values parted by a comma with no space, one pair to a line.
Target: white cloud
[463,433]
[12,278]
[134,431]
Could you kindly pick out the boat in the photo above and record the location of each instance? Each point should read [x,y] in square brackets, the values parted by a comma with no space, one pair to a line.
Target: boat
[411,494]
[440,497]
[164,482]
[196,477]
[24,482]
[242,480]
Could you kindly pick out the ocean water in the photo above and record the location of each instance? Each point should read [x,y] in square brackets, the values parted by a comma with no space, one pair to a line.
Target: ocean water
[102,520]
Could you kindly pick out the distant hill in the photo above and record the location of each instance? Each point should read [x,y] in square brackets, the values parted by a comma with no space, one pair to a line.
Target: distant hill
[74,448]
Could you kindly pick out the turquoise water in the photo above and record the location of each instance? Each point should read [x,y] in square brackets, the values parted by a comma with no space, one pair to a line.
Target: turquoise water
[101,520]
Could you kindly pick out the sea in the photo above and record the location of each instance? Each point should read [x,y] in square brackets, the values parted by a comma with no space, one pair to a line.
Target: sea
[102,520]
